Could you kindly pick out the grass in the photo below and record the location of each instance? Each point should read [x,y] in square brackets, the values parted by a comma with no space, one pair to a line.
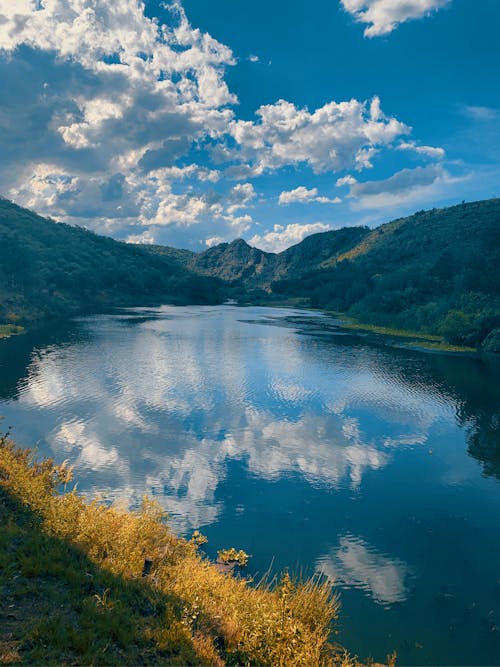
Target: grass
[72,589]
[7,330]
[418,338]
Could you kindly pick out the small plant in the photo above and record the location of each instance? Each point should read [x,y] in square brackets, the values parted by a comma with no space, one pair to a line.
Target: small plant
[198,539]
[232,556]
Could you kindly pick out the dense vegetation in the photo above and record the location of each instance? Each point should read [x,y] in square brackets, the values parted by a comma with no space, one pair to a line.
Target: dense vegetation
[53,270]
[73,590]
[436,271]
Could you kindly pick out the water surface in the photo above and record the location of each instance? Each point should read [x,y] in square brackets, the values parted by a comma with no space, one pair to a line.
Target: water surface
[272,431]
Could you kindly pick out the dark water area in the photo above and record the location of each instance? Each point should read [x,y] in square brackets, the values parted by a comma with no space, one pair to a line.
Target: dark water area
[273,431]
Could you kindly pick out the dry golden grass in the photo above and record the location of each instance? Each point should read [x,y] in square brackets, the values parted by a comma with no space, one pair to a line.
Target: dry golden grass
[207,617]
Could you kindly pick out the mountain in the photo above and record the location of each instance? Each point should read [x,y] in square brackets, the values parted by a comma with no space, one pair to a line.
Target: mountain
[436,271]
[242,265]
[50,269]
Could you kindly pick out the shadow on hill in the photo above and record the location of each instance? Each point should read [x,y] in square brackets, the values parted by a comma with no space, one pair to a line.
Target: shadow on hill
[58,607]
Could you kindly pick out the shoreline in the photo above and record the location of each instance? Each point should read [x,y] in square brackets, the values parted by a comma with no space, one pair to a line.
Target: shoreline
[417,340]
[9,330]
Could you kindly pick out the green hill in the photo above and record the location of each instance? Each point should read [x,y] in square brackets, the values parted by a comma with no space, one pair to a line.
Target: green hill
[436,271]
[50,269]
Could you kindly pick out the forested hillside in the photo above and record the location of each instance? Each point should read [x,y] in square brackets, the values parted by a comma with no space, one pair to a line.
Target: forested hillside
[435,271]
[50,269]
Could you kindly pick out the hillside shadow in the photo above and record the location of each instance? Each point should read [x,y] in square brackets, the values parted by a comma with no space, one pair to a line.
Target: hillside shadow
[58,607]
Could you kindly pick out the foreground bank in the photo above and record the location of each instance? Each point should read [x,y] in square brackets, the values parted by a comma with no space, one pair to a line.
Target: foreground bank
[73,589]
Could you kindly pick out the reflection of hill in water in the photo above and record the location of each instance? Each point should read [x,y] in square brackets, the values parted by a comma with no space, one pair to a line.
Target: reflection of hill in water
[471,383]
[474,385]
[17,352]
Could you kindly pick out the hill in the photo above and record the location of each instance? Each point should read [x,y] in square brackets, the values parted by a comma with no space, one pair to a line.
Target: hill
[50,269]
[239,264]
[436,271]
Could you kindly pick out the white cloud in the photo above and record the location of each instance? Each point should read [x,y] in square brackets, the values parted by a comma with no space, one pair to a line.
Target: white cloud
[408,186]
[428,151]
[240,196]
[482,113]
[111,94]
[302,195]
[282,237]
[345,180]
[146,238]
[191,171]
[125,123]
[335,137]
[214,240]
[384,16]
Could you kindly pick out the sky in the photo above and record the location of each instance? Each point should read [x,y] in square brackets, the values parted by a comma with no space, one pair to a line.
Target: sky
[191,123]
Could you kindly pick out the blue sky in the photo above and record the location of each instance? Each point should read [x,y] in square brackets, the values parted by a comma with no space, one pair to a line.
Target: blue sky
[193,123]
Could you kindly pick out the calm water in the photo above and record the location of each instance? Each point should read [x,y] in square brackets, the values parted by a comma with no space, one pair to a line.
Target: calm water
[273,432]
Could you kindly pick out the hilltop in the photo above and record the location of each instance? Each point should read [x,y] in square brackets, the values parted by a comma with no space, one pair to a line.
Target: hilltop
[436,271]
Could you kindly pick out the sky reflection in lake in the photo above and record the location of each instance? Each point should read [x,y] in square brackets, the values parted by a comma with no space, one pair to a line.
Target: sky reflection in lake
[270,432]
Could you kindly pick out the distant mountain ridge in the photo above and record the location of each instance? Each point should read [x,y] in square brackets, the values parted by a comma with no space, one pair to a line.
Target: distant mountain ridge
[436,271]
[253,268]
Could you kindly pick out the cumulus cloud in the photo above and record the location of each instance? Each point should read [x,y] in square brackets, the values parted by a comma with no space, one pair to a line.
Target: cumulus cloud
[405,186]
[337,136]
[128,126]
[345,180]
[282,237]
[429,151]
[302,195]
[106,90]
[240,196]
[384,16]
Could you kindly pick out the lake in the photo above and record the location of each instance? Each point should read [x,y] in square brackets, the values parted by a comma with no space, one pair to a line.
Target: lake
[274,431]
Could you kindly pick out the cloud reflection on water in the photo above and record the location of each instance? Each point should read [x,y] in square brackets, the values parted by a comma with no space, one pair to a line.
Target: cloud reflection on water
[161,405]
[356,564]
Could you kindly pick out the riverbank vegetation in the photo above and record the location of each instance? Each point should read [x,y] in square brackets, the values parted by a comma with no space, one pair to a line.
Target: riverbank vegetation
[414,339]
[7,330]
[73,590]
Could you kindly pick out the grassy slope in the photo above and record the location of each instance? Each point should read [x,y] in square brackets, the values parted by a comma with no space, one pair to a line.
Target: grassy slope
[71,590]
